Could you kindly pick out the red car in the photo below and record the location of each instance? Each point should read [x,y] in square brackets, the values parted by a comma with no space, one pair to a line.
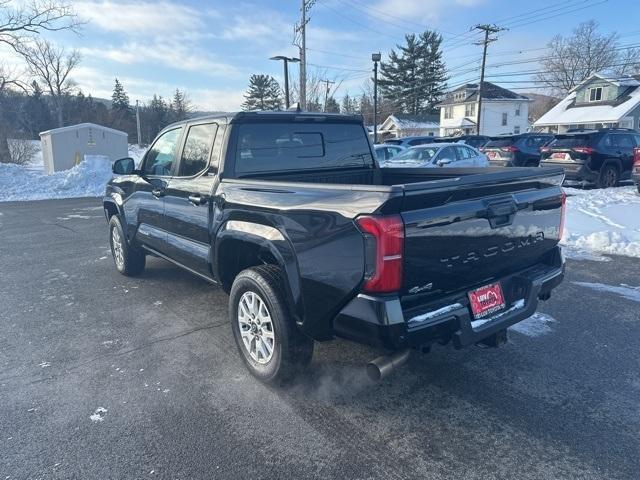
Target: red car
[636,167]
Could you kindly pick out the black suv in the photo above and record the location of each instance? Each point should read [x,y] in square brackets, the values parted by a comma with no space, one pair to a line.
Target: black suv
[475,141]
[522,150]
[603,156]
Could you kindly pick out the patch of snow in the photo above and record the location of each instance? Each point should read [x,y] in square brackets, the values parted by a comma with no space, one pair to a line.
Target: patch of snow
[98,415]
[87,179]
[534,326]
[434,313]
[517,305]
[625,291]
[44,364]
[599,221]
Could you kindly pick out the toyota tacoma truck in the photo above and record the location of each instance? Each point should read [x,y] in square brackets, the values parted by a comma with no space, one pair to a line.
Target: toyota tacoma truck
[291,215]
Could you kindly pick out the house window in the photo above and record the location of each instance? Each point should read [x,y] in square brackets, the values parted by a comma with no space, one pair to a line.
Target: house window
[448,112]
[470,110]
[518,110]
[595,94]
[516,129]
[504,119]
[458,96]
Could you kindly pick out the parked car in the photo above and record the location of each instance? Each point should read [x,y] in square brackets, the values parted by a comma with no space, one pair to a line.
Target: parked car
[475,141]
[409,141]
[289,213]
[603,156]
[455,155]
[636,167]
[385,152]
[521,150]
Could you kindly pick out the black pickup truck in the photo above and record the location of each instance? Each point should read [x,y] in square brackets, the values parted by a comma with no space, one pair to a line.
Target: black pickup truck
[290,214]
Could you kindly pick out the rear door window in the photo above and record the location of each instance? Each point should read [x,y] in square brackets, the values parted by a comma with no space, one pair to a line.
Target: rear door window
[463,152]
[197,149]
[277,147]
[622,141]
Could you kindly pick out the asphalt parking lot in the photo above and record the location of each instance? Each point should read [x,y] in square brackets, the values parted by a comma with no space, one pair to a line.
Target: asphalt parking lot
[103,376]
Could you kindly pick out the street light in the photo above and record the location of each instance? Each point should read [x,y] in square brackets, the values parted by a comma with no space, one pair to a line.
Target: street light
[375,58]
[286,61]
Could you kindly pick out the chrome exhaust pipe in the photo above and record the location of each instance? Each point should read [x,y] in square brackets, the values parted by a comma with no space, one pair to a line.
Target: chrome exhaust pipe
[382,366]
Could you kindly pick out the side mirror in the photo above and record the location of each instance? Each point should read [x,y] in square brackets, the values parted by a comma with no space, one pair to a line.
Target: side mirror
[444,161]
[124,166]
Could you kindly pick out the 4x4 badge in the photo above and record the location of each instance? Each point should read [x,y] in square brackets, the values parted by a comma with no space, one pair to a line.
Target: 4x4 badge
[428,286]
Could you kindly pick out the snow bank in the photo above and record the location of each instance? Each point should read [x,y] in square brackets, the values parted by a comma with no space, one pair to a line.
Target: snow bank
[88,179]
[602,221]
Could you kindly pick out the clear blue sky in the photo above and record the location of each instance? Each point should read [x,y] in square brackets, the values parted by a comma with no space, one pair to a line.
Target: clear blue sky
[211,48]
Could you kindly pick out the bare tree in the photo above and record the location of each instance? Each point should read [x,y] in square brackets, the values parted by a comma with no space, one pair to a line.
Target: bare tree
[52,66]
[19,22]
[573,59]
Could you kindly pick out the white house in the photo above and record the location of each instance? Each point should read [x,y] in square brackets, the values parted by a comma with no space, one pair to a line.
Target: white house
[503,111]
[62,148]
[400,125]
[599,101]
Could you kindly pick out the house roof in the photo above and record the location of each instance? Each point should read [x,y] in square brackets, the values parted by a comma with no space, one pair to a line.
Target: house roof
[567,113]
[83,125]
[490,91]
[610,77]
[411,122]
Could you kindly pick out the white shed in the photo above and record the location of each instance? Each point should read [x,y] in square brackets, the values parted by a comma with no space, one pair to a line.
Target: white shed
[62,148]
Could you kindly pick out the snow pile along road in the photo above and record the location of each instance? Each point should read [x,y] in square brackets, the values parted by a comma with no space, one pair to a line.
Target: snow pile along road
[602,221]
[88,179]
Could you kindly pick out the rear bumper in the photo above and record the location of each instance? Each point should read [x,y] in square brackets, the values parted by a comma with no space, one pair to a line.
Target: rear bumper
[381,321]
[574,171]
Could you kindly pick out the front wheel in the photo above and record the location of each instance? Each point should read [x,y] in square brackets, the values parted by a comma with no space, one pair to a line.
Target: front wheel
[271,346]
[128,260]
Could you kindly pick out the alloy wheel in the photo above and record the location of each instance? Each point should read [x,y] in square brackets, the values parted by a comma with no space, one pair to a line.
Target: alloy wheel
[256,327]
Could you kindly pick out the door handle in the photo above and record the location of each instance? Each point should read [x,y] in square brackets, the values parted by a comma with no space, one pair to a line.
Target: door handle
[197,199]
[158,192]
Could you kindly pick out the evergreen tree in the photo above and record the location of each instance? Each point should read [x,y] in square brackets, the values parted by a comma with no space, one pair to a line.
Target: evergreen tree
[332,106]
[37,114]
[180,106]
[414,78]
[347,106]
[119,98]
[263,93]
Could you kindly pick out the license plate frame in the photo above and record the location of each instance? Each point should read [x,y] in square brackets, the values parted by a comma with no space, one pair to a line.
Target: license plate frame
[486,300]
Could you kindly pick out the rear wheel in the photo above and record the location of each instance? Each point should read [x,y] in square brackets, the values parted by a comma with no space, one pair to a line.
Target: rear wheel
[129,261]
[609,176]
[270,344]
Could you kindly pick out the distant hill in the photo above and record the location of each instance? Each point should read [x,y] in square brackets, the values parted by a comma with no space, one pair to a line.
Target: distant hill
[541,104]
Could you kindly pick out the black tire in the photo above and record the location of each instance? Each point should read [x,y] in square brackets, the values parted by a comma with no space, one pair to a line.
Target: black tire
[132,260]
[291,350]
[609,176]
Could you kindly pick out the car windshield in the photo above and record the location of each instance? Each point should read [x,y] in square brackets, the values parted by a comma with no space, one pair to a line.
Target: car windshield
[423,154]
[570,141]
[501,142]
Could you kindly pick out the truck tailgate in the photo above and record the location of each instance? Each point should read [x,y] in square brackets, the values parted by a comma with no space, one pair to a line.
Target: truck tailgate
[470,231]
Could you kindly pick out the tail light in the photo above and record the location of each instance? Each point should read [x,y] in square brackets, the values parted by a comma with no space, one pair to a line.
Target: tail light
[384,245]
[587,150]
[636,157]
[563,214]
[510,148]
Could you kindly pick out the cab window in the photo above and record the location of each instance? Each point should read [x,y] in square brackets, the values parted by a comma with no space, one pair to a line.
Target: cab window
[197,149]
[161,156]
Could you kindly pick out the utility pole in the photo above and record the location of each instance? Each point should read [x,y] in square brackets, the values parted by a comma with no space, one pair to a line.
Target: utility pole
[488,29]
[302,29]
[375,57]
[326,91]
[138,122]
[286,61]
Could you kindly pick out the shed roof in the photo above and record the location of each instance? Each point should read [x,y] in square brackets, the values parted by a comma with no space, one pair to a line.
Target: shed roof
[83,125]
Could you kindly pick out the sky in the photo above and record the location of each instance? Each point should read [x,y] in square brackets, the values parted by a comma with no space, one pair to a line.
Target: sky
[210,48]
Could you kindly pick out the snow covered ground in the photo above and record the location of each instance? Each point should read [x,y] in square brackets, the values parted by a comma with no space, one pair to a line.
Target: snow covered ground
[602,221]
[88,179]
